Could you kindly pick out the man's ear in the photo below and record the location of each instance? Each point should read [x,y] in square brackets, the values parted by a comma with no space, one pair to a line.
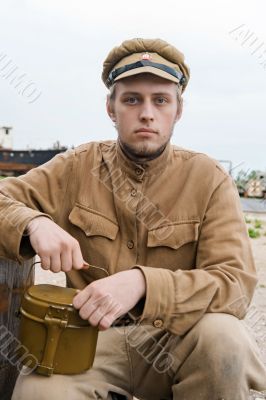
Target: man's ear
[179,110]
[110,108]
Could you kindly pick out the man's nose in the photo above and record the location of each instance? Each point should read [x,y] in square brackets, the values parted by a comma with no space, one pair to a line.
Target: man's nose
[147,112]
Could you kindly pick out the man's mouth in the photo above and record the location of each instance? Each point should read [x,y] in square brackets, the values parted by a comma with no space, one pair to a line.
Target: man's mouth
[148,130]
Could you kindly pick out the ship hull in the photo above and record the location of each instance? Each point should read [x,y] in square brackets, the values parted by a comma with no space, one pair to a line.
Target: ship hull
[15,162]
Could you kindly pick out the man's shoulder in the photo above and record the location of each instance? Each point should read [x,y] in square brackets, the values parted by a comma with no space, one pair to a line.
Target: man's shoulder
[198,159]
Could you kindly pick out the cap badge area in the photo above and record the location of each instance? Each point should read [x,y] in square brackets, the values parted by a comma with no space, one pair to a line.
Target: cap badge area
[146,56]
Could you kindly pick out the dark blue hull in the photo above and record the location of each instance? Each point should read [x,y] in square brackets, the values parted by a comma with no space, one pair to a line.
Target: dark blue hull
[21,161]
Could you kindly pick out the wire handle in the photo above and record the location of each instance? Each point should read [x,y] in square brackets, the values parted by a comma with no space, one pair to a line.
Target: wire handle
[88,266]
[85,266]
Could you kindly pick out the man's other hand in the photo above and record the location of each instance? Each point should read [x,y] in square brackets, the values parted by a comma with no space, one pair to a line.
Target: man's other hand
[57,250]
[105,300]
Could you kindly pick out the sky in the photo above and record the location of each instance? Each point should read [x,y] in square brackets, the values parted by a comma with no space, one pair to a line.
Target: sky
[57,48]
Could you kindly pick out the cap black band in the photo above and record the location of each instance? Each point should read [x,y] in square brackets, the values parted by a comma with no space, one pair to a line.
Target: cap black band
[144,63]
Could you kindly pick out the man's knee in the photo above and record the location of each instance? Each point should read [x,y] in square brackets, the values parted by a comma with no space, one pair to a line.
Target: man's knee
[222,343]
[33,386]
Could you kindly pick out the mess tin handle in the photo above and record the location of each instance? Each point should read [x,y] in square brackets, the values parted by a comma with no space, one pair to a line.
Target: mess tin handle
[89,266]
[56,320]
[85,266]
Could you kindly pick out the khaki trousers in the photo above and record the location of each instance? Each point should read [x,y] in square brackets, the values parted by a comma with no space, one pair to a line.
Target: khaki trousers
[215,360]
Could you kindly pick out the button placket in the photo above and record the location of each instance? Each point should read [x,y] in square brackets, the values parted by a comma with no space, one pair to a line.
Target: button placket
[133,192]
[130,244]
[138,171]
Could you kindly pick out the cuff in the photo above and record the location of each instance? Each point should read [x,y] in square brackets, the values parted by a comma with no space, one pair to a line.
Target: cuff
[160,296]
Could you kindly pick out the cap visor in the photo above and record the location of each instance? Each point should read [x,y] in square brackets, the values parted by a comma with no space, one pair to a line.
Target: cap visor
[147,69]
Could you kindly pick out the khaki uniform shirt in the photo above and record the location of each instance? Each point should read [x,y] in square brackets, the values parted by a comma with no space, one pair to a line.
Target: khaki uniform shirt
[177,218]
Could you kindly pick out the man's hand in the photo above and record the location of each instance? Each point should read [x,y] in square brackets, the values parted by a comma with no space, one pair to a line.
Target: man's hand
[105,300]
[57,250]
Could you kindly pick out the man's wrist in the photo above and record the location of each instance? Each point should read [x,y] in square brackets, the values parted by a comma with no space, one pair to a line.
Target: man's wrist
[33,224]
[139,280]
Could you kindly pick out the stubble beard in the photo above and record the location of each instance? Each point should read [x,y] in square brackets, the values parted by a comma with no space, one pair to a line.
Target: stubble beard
[144,151]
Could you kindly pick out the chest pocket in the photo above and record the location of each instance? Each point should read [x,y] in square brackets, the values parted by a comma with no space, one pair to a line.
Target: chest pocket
[92,222]
[174,235]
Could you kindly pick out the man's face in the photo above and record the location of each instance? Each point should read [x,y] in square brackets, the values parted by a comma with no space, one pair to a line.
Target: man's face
[144,110]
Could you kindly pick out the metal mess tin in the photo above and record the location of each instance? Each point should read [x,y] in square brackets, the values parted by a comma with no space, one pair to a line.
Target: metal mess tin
[52,331]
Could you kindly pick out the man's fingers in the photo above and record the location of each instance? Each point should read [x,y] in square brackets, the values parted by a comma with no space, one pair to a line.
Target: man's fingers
[66,260]
[109,318]
[45,262]
[57,249]
[55,263]
[81,297]
[95,310]
[106,322]
[87,310]
[88,301]
[101,313]
[98,315]
[77,259]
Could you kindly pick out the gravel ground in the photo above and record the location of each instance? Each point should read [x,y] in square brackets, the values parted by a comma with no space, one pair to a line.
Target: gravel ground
[256,316]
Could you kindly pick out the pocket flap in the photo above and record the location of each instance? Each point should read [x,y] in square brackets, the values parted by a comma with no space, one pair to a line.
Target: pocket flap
[93,223]
[174,235]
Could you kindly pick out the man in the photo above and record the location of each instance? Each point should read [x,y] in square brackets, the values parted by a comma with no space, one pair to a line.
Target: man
[166,225]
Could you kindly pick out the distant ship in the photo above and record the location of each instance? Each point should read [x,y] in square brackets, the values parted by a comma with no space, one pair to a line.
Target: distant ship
[17,162]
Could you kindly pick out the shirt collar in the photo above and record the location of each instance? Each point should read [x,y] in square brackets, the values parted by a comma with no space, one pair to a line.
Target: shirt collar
[148,168]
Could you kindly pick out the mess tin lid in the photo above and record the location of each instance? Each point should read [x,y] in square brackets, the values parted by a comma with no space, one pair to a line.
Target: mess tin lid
[39,300]
[52,294]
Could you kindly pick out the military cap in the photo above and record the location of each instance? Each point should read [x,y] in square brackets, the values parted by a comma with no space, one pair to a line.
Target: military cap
[138,56]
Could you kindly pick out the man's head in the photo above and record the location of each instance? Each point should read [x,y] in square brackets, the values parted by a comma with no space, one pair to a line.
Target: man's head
[146,79]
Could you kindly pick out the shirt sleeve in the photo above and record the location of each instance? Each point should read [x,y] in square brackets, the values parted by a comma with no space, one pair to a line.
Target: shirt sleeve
[224,277]
[40,192]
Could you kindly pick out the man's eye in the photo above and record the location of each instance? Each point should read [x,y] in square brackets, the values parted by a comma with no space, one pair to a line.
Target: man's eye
[131,100]
[160,100]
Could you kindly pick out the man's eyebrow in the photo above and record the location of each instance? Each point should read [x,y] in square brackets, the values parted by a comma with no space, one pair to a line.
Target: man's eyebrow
[130,93]
[162,94]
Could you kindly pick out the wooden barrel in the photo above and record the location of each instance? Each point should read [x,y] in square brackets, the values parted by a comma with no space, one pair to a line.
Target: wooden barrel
[14,278]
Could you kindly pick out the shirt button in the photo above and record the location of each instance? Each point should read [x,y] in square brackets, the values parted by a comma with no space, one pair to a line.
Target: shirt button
[133,192]
[130,244]
[158,323]
[138,171]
